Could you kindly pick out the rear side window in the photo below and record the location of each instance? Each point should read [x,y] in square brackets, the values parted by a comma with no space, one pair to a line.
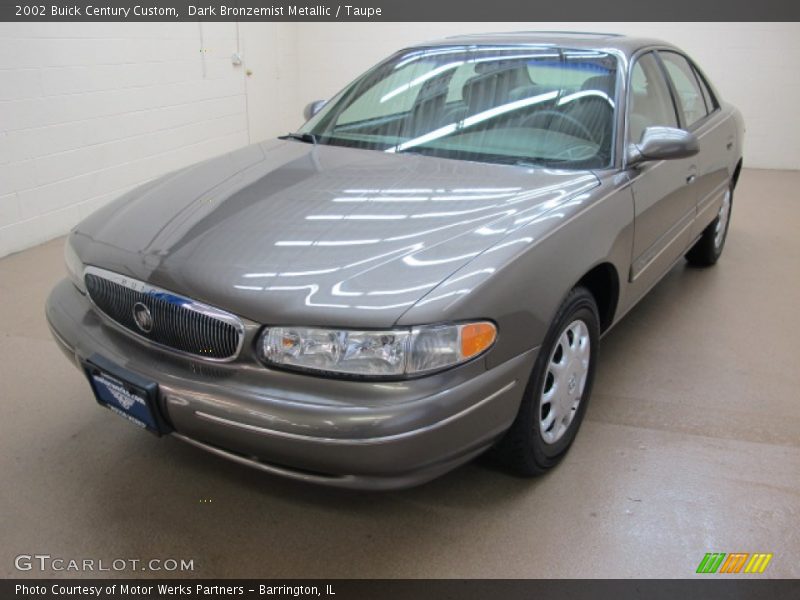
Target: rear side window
[690,95]
[711,101]
[650,103]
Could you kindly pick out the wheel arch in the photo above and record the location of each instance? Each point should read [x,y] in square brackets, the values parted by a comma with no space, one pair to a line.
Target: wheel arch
[602,281]
[736,172]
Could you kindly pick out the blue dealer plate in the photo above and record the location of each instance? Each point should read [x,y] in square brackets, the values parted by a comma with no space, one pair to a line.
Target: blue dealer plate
[125,393]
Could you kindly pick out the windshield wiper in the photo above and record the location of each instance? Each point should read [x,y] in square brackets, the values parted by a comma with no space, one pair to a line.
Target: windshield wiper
[535,161]
[308,138]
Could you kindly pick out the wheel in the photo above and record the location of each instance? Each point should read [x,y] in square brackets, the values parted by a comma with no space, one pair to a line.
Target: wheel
[708,248]
[558,390]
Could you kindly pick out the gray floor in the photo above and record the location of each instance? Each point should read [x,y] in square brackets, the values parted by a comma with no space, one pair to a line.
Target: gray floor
[691,445]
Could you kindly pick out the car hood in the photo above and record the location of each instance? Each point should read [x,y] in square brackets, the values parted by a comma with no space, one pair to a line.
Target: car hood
[285,232]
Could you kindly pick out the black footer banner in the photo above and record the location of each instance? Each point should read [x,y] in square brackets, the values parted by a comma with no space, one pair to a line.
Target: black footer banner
[705,588]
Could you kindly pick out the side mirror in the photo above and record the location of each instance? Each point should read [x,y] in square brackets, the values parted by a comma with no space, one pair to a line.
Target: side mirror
[313,108]
[663,143]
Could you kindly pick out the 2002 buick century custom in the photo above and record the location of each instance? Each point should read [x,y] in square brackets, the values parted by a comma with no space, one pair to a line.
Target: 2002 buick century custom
[421,273]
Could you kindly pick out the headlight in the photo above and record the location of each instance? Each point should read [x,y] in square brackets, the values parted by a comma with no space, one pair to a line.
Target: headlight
[74,266]
[394,353]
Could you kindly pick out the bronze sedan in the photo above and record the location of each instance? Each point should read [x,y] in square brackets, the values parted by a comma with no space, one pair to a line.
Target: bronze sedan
[421,273]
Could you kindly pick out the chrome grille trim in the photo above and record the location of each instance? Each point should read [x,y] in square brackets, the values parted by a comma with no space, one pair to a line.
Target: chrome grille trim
[190,325]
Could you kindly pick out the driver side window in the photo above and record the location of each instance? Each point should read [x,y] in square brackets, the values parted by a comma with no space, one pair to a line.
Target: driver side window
[649,100]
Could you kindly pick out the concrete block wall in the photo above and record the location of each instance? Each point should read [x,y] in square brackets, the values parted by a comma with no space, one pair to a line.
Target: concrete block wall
[88,111]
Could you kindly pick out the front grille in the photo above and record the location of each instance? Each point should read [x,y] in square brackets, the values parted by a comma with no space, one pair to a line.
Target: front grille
[174,321]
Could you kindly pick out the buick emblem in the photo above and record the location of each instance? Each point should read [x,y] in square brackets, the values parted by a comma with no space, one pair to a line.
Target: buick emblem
[142,317]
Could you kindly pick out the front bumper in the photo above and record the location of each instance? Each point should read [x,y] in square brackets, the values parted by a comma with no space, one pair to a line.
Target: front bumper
[355,434]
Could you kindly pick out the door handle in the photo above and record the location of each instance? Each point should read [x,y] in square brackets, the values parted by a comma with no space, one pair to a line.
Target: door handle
[691,178]
[729,145]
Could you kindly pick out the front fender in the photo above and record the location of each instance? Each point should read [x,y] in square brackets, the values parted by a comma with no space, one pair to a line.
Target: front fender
[520,282]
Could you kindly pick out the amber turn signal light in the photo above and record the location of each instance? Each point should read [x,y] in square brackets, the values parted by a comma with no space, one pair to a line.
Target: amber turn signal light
[477,337]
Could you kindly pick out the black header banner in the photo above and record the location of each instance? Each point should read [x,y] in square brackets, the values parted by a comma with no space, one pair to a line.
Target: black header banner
[400,10]
[400,589]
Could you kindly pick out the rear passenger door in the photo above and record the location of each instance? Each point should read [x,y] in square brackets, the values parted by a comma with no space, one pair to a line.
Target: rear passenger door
[700,114]
[665,201]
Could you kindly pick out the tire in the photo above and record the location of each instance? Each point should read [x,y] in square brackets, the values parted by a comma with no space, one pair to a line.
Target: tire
[528,448]
[708,248]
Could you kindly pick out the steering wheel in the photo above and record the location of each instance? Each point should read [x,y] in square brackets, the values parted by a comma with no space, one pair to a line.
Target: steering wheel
[577,152]
[572,121]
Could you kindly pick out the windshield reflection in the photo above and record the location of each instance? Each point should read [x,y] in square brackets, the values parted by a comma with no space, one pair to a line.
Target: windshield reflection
[532,105]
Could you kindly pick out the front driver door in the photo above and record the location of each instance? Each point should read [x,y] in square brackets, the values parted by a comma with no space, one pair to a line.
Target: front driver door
[664,195]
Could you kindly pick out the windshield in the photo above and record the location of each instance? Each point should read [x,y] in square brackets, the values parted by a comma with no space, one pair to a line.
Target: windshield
[512,105]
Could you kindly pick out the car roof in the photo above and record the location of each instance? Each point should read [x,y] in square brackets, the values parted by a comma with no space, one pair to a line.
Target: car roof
[625,44]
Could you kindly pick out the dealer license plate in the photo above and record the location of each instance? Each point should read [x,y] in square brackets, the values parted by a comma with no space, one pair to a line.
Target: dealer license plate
[125,393]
